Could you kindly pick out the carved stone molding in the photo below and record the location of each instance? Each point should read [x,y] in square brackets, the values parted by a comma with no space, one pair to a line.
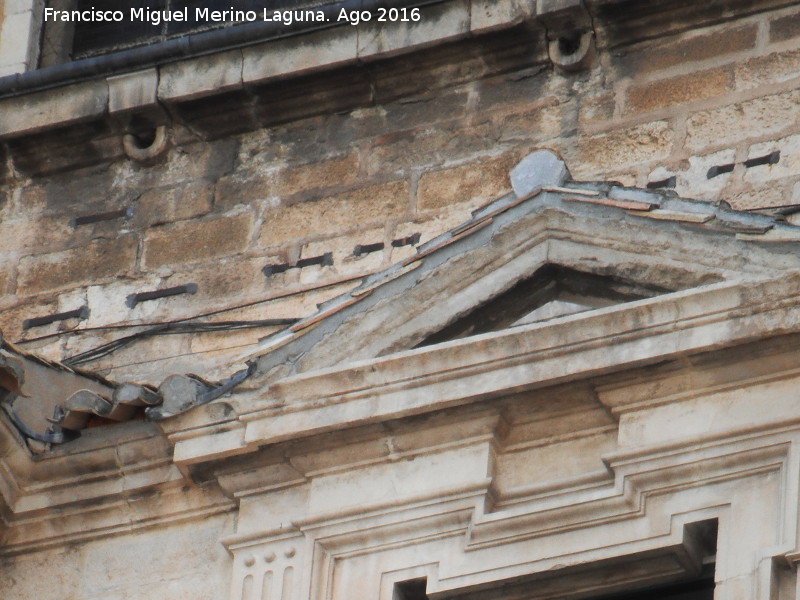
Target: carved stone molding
[269,568]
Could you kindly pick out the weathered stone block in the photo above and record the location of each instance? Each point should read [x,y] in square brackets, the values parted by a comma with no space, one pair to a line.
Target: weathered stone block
[437,23]
[99,260]
[439,69]
[218,115]
[38,234]
[65,195]
[679,90]
[479,180]
[724,126]
[693,182]
[15,36]
[107,303]
[136,562]
[614,150]
[133,91]
[595,109]
[345,261]
[33,112]
[334,214]
[333,91]
[431,108]
[787,166]
[329,173]
[192,241]
[245,187]
[219,280]
[7,278]
[784,28]
[428,146]
[194,78]
[649,57]
[521,87]
[759,197]
[86,144]
[192,162]
[312,139]
[176,203]
[296,55]
[488,15]
[536,124]
[765,70]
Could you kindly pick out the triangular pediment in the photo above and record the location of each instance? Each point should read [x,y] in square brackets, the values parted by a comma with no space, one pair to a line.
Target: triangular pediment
[552,252]
[551,249]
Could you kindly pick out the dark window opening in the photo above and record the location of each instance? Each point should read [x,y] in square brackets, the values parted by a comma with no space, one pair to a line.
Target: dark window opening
[551,292]
[414,589]
[701,588]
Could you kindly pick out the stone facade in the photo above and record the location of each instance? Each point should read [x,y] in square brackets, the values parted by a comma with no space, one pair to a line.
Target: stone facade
[596,454]
[401,155]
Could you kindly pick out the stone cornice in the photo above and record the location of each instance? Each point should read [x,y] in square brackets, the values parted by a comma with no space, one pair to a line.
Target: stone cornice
[466,371]
[148,89]
[154,89]
[122,476]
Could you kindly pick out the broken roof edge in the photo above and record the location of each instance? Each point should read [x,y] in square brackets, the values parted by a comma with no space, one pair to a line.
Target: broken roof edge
[541,181]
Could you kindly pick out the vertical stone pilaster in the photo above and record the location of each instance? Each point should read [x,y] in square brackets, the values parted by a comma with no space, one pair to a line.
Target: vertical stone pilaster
[20,25]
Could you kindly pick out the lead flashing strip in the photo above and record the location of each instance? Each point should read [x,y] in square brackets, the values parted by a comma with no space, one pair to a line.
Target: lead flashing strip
[625,204]
[673,215]
[773,235]
[331,310]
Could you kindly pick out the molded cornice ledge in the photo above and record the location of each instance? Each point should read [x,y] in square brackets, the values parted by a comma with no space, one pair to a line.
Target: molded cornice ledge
[491,365]
[144,85]
[152,79]
[112,480]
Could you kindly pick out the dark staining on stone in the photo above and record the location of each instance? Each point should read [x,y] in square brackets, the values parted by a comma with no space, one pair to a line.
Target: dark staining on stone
[768,159]
[411,240]
[718,170]
[123,213]
[134,299]
[668,183]
[362,249]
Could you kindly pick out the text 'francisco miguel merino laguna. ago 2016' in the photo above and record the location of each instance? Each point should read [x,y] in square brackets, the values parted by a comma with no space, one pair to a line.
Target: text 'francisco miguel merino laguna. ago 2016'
[287,17]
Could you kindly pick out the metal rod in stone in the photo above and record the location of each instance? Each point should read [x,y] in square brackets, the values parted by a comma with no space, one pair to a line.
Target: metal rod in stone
[134,299]
[78,313]
[123,213]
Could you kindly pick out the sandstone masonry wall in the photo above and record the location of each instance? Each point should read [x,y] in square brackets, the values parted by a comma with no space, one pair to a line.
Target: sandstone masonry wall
[178,561]
[432,136]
